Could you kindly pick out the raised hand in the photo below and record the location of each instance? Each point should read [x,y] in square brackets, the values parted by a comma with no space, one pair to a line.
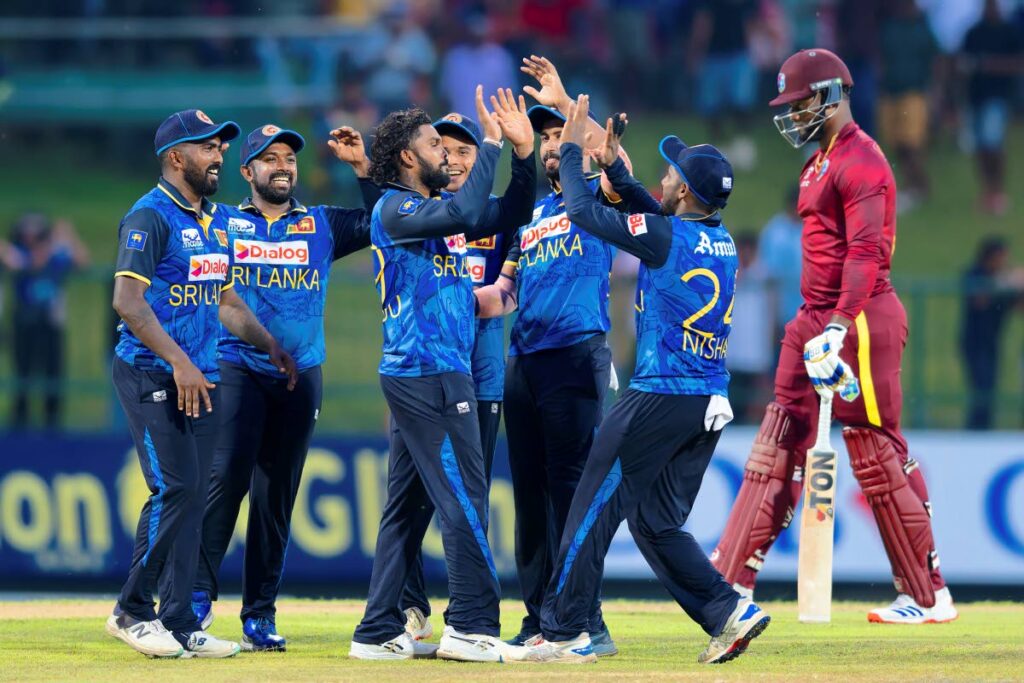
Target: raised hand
[552,93]
[575,129]
[347,144]
[608,152]
[512,119]
[488,120]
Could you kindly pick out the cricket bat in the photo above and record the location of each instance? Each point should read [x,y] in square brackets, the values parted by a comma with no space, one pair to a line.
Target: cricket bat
[817,524]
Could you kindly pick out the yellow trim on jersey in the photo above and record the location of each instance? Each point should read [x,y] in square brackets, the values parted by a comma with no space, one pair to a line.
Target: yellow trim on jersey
[380,275]
[867,383]
[227,285]
[136,276]
[175,199]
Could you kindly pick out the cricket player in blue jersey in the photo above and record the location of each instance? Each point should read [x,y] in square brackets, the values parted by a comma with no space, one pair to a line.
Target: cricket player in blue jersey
[171,288]
[651,451]
[559,364]
[281,254]
[419,240]
[461,137]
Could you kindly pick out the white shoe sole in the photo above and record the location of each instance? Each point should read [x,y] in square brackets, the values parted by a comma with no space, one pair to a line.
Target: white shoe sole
[874,618]
[371,656]
[453,656]
[113,630]
[189,654]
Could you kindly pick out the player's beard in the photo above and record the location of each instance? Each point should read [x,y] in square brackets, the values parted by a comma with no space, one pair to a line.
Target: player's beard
[552,173]
[434,177]
[273,194]
[200,180]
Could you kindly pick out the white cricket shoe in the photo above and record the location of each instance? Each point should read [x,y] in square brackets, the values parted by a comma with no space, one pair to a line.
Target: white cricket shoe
[466,647]
[417,624]
[148,637]
[904,610]
[206,646]
[402,647]
[746,622]
[579,650]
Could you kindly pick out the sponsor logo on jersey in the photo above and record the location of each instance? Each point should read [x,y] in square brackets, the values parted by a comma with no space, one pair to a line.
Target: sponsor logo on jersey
[484,243]
[718,248]
[477,266]
[304,227]
[549,227]
[637,224]
[272,253]
[240,226]
[136,240]
[208,267]
[222,237]
[190,238]
[456,243]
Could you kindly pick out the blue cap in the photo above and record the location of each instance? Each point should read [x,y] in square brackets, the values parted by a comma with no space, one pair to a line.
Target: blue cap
[191,125]
[459,124]
[540,115]
[704,169]
[264,137]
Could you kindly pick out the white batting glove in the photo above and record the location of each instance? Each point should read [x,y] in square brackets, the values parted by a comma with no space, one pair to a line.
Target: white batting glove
[828,372]
[718,414]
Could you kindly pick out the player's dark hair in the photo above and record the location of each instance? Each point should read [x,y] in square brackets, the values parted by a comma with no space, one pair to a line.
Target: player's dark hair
[394,135]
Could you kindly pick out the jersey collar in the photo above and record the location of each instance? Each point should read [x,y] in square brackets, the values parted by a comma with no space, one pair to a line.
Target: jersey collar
[556,187]
[165,186]
[405,188]
[293,206]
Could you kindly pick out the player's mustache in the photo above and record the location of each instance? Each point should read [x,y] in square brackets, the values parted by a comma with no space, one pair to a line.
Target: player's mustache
[551,155]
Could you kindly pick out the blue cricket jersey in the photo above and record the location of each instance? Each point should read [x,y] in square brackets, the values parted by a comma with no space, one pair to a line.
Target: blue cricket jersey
[165,243]
[686,283]
[563,276]
[280,269]
[485,258]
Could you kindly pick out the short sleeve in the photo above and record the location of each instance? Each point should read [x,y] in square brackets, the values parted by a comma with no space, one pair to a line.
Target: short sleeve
[142,239]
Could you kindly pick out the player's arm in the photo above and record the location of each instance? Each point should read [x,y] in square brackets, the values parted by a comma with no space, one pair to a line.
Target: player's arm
[243,323]
[514,209]
[501,297]
[553,94]
[634,196]
[408,216]
[142,239]
[646,236]
[350,229]
[863,189]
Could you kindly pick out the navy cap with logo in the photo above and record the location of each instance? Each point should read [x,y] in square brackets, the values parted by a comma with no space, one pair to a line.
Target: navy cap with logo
[541,116]
[191,125]
[459,125]
[704,169]
[264,136]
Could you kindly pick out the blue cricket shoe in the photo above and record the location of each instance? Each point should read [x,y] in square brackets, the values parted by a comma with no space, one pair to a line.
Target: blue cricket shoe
[260,635]
[202,607]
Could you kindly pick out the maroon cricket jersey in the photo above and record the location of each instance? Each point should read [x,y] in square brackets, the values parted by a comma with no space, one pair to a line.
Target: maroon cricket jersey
[848,206]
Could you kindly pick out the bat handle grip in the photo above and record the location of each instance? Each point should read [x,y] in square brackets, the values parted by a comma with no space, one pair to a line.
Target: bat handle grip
[824,421]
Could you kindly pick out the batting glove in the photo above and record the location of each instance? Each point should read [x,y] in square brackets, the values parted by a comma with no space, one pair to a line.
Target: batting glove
[827,371]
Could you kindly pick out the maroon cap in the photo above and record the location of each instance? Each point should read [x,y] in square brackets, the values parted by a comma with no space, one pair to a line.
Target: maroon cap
[807,72]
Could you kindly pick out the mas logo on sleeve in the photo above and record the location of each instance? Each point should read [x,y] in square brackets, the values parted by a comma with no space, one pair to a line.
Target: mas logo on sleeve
[136,240]
[409,205]
[637,224]
[304,227]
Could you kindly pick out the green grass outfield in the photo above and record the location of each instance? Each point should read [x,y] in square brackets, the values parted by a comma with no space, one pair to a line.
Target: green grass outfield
[65,640]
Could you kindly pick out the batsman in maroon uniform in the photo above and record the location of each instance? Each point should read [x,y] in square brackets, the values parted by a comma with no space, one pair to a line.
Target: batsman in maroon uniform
[848,338]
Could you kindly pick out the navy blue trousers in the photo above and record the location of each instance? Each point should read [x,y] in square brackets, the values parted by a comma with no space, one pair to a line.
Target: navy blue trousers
[489,415]
[174,452]
[646,467]
[553,404]
[265,432]
[435,462]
